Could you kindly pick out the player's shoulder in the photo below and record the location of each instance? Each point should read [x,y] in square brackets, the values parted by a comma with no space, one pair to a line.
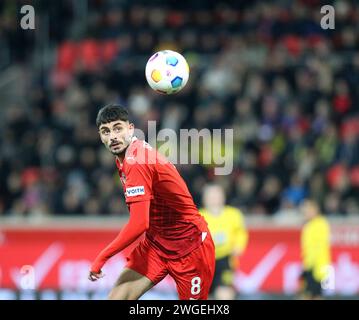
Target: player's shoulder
[317,225]
[140,152]
[137,146]
[233,211]
[323,222]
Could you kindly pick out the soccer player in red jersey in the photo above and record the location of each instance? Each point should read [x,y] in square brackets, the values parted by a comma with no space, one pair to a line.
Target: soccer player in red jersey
[177,240]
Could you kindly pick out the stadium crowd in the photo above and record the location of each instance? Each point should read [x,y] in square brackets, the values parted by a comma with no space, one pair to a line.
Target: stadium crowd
[268,70]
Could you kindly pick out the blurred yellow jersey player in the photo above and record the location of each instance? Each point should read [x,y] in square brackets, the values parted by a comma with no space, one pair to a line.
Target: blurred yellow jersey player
[230,237]
[315,250]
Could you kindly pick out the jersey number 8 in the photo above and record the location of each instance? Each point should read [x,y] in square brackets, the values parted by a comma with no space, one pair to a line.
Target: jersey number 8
[196,285]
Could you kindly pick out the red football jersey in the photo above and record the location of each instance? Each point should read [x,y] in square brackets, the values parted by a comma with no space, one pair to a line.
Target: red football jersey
[176,226]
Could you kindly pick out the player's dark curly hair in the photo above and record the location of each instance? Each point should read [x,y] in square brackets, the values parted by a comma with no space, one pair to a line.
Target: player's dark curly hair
[111,112]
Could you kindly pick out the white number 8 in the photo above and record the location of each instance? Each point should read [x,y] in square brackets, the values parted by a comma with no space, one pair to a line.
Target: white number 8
[196,285]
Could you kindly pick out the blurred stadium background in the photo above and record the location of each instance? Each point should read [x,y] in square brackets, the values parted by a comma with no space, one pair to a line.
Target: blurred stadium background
[265,68]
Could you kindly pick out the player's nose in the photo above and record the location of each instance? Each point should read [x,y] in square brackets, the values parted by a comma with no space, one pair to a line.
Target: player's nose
[113,137]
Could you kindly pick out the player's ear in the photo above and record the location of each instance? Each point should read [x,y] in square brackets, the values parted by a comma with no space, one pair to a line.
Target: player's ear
[131,129]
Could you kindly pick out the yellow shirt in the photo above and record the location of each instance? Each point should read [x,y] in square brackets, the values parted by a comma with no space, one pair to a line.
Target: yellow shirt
[315,247]
[228,230]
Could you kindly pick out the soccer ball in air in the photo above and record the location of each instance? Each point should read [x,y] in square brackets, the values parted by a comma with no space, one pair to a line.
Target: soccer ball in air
[167,72]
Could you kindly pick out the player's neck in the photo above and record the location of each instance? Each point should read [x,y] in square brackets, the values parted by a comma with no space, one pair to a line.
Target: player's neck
[216,210]
[120,157]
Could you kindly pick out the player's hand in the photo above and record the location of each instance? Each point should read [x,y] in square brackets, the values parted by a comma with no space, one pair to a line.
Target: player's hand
[234,262]
[94,276]
[235,257]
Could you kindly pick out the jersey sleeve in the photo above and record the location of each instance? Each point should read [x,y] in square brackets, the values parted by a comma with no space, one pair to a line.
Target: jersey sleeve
[138,185]
[137,224]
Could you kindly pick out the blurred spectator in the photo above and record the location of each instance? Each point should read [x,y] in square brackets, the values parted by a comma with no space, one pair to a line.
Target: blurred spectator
[269,195]
[296,191]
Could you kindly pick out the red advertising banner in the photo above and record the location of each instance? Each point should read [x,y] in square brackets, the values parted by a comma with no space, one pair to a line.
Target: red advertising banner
[271,262]
[59,259]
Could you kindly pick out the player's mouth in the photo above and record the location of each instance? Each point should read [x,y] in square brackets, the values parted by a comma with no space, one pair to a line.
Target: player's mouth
[115,145]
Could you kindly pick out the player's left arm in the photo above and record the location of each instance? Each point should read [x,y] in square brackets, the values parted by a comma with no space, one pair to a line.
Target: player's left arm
[136,226]
[241,233]
[240,238]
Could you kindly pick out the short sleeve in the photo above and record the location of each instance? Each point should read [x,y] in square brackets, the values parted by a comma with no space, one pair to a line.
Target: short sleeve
[138,183]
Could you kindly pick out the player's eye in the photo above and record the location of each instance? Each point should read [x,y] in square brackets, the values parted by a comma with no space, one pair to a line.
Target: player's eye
[105,132]
[117,129]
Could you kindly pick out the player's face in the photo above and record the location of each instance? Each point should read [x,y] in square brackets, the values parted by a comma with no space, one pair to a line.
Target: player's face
[309,210]
[116,135]
[214,197]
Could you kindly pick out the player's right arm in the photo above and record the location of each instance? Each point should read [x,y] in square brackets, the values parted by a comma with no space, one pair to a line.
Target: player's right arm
[138,197]
[136,226]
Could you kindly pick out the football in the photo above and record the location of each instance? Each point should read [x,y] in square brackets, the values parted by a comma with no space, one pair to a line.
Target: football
[167,72]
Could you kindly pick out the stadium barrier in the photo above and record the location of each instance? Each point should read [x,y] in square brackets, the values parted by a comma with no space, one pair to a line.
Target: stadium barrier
[39,259]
